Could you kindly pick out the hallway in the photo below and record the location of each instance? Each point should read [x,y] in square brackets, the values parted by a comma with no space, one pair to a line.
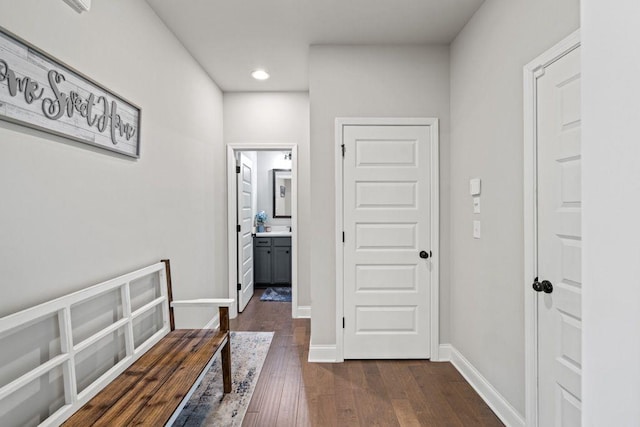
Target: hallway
[293,392]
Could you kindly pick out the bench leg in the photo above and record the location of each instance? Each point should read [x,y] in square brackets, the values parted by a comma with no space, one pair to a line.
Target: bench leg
[226,366]
[226,350]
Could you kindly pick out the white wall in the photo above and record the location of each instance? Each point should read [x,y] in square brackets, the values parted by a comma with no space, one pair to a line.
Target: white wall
[611,194]
[277,117]
[487,300]
[267,162]
[371,81]
[72,215]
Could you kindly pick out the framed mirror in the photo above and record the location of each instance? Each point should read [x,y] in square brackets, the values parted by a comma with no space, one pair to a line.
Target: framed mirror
[281,193]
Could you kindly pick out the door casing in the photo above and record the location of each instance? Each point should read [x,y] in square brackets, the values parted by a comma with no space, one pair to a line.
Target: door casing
[532,72]
[232,194]
[434,314]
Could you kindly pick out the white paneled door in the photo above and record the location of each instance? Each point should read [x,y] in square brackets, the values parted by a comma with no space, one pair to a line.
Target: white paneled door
[245,239]
[559,243]
[387,236]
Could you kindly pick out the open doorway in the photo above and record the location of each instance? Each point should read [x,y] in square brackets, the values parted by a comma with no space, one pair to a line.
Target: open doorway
[265,252]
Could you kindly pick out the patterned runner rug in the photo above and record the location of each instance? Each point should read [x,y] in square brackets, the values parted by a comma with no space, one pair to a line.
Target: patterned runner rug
[208,406]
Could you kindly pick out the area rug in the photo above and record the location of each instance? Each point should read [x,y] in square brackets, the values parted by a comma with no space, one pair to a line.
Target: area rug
[277,294]
[209,406]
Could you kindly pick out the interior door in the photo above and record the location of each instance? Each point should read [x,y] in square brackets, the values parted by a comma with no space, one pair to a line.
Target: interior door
[245,238]
[559,238]
[387,199]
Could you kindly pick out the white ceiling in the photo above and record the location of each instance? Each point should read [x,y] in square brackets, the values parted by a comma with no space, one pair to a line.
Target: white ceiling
[230,38]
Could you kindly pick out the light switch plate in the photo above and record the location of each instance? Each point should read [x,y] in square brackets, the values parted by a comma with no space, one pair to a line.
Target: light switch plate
[474,186]
[476,205]
[476,229]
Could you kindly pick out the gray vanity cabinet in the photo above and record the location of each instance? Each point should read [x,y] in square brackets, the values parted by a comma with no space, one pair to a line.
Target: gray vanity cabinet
[272,260]
[262,260]
[281,263]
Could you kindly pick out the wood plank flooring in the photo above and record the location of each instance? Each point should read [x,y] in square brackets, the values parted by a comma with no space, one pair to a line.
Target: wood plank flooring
[293,392]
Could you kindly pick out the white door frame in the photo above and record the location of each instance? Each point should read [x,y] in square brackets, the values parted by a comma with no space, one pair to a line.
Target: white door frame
[435,223]
[532,71]
[232,239]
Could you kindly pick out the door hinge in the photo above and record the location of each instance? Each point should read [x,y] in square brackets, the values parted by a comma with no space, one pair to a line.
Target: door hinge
[343,237]
[239,286]
[237,169]
[239,228]
[343,323]
[344,149]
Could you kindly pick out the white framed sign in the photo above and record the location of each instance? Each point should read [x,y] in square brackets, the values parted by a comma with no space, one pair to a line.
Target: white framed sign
[38,91]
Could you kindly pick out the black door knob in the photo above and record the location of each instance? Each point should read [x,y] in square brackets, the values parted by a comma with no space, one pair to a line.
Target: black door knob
[424,254]
[547,286]
[537,286]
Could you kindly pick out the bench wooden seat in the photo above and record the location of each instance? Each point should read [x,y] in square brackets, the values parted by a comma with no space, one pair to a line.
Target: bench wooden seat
[150,391]
[108,355]
[154,389]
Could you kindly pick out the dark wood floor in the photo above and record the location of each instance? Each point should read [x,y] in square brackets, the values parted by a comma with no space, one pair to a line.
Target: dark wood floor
[293,392]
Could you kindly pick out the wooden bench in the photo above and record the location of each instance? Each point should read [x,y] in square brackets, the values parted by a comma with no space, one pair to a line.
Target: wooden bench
[147,380]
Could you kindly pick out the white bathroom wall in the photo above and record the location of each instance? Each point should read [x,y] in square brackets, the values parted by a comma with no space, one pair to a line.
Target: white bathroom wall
[267,161]
[73,215]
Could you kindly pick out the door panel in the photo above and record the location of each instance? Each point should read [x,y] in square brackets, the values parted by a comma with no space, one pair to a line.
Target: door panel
[387,201]
[386,195]
[386,320]
[245,239]
[560,243]
[385,237]
[383,277]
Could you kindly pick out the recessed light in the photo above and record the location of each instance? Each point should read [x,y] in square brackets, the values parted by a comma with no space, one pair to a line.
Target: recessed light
[260,74]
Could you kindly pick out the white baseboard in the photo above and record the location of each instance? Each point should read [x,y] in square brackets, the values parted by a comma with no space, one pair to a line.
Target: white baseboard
[323,354]
[213,323]
[444,353]
[503,409]
[303,312]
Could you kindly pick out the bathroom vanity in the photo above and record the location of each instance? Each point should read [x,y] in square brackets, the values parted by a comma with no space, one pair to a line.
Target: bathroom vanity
[272,259]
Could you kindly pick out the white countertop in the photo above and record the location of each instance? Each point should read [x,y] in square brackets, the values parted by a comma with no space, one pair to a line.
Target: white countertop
[274,234]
